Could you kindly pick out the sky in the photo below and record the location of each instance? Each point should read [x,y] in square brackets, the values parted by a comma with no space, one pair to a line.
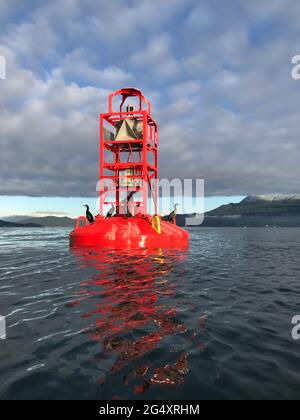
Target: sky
[217,73]
[73,206]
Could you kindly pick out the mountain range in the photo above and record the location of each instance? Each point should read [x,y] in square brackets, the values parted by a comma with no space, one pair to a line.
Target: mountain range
[253,211]
[257,211]
[10,224]
[26,221]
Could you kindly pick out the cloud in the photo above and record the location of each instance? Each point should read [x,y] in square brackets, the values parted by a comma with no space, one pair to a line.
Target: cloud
[156,59]
[78,65]
[218,77]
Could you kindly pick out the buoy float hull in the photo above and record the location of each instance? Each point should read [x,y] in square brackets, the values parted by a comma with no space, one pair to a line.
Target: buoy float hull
[128,233]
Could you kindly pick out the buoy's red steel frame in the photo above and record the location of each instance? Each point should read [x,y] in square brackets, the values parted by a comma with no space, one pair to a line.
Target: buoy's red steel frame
[131,227]
[144,171]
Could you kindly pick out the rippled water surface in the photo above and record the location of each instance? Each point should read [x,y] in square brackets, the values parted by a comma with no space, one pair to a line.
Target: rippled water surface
[213,322]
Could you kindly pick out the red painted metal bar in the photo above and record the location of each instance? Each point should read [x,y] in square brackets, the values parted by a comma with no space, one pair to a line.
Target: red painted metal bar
[136,153]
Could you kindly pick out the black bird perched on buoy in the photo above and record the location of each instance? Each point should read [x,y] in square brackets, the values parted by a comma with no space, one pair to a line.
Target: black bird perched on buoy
[172,215]
[88,214]
[131,194]
[129,197]
[110,212]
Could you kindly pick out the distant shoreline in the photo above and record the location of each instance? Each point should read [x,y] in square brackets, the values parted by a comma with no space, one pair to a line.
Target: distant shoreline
[272,211]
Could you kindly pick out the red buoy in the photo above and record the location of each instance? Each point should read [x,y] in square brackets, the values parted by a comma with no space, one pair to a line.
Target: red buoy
[128,176]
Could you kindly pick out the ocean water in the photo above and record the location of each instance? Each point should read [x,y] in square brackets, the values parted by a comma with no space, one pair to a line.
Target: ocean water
[213,322]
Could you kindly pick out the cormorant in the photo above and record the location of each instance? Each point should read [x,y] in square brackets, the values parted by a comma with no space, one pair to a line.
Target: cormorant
[110,212]
[129,197]
[88,214]
[172,215]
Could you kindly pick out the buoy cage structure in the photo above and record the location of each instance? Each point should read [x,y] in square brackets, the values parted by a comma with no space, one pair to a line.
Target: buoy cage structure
[128,177]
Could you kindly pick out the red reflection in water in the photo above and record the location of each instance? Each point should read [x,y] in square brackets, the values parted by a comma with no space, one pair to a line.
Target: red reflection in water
[171,374]
[134,300]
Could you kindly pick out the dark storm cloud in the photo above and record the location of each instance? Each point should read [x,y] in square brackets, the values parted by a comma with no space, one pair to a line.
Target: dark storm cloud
[217,74]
